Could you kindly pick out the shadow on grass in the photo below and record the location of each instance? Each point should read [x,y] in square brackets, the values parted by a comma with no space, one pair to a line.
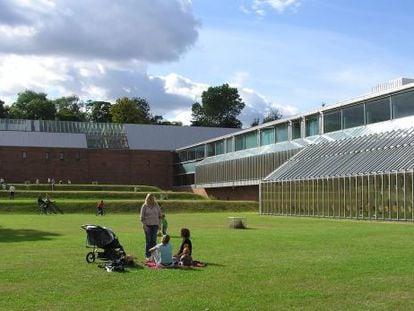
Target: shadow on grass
[8,235]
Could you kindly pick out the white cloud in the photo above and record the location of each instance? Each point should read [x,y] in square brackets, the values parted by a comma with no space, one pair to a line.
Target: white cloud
[152,31]
[278,5]
[257,106]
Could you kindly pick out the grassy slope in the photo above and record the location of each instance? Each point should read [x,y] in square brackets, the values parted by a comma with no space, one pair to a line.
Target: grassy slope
[279,263]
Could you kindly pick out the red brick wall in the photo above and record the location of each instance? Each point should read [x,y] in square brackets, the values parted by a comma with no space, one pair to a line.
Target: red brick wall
[87,165]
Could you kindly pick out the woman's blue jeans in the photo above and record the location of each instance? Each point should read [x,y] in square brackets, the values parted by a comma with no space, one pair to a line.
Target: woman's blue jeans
[150,239]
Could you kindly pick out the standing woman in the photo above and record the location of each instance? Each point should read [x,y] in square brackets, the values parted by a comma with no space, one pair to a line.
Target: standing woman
[150,217]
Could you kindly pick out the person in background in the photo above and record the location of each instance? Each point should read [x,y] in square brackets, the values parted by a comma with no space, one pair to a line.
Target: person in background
[150,216]
[12,190]
[164,224]
[100,208]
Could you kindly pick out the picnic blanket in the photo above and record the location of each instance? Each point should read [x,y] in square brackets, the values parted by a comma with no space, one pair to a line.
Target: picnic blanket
[153,265]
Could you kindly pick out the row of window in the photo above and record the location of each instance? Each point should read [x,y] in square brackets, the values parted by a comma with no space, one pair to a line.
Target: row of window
[48,156]
[367,112]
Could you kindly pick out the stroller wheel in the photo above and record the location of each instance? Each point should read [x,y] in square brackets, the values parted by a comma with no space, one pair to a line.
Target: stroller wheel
[90,257]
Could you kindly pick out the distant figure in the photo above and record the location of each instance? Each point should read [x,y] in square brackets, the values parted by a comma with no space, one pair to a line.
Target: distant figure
[12,190]
[1,180]
[69,182]
[164,224]
[49,204]
[52,183]
[37,181]
[42,205]
[100,208]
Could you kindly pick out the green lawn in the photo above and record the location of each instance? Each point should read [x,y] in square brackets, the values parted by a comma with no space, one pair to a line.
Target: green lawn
[279,263]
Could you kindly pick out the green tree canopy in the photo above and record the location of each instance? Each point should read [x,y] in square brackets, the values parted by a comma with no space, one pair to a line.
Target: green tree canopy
[32,105]
[220,107]
[4,110]
[69,109]
[131,110]
[100,111]
[273,115]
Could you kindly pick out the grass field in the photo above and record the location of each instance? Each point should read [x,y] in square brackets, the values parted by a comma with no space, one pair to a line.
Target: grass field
[279,263]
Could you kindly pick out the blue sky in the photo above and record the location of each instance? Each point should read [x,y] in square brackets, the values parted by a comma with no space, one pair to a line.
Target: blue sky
[291,55]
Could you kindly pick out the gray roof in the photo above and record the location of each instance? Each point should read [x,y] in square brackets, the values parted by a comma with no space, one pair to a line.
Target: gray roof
[41,139]
[374,153]
[163,137]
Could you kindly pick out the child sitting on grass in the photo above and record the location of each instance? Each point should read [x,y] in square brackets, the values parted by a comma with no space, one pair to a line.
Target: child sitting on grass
[185,260]
[162,253]
[185,235]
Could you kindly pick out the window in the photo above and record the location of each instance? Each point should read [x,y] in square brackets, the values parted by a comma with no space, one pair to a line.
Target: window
[211,149]
[281,132]
[199,152]
[378,110]
[24,154]
[267,136]
[191,154]
[296,129]
[61,156]
[403,104]
[77,156]
[353,116]
[47,155]
[312,125]
[219,147]
[229,145]
[246,141]
[332,121]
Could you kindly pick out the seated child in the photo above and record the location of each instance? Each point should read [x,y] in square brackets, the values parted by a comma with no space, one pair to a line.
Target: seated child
[186,260]
[162,253]
[185,234]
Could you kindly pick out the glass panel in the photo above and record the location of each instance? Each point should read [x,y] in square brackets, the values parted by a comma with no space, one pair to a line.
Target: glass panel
[403,104]
[199,152]
[378,110]
[282,132]
[295,129]
[251,140]
[229,145]
[191,154]
[312,125]
[220,147]
[353,116]
[239,142]
[332,121]
[211,149]
[267,136]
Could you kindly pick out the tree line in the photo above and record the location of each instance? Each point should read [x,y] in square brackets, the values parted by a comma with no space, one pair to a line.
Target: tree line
[220,106]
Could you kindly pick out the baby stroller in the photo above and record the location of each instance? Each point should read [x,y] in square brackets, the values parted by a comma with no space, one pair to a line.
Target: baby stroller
[103,238]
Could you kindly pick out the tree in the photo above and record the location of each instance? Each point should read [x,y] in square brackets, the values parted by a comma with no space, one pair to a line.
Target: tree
[131,110]
[32,105]
[69,108]
[100,111]
[220,107]
[255,122]
[4,110]
[273,115]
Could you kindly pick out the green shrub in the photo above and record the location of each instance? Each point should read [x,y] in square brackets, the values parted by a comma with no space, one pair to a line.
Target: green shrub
[131,206]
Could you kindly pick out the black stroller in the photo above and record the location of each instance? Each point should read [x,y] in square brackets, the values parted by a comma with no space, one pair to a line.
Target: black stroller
[103,238]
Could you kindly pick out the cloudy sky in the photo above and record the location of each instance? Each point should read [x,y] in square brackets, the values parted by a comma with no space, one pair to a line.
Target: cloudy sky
[292,55]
